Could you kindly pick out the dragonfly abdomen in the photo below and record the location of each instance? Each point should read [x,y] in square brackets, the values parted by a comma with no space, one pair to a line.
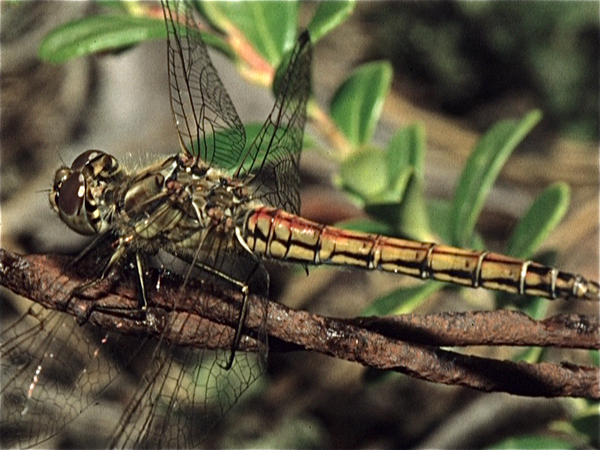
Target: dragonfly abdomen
[284,236]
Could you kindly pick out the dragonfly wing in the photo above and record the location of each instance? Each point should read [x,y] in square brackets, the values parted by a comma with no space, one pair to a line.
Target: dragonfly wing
[206,120]
[271,162]
[53,371]
[184,393]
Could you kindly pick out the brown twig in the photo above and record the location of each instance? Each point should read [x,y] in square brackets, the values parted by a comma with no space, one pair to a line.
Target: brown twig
[406,344]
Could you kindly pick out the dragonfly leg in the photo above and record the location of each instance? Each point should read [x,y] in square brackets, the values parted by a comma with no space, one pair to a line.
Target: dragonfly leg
[238,330]
[79,290]
[139,313]
[245,288]
[106,272]
[142,291]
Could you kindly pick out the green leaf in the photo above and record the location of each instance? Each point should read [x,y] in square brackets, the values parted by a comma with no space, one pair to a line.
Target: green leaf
[382,177]
[402,204]
[588,425]
[328,16]
[402,301]
[224,159]
[595,357]
[396,191]
[98,34]
[407,217]
[407,149]
[531,355]
[357,104]
[534,307]
[413,219]
[364,173]
[438,212]
[388,213]
[534,442]
[365,226]
[270,26]
[481,171]
[282,69]
[542,218]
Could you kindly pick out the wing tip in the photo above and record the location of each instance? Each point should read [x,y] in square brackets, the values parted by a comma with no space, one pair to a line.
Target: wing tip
[304,38]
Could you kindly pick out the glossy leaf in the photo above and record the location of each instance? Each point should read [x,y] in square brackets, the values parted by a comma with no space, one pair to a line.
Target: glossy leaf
[328,16]
[480,173]
[534,227]
[402,301]
[221,159]
[282,69]
[357,104]
[405,156]
[407,149]
[98,34]
[365,173]
[542,218]
[407,217]
[413,219]
[438,211]
[534,442]
[386,179]
[270,26]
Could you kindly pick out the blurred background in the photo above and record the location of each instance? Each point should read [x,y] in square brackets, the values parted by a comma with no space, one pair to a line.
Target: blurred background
[458,68]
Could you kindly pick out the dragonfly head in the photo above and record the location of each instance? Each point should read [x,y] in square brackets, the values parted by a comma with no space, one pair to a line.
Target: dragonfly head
[79,192]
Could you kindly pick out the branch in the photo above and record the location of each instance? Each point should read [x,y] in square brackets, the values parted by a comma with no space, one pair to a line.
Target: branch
[406,344]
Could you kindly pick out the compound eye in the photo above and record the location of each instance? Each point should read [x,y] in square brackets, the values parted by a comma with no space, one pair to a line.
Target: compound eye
[85,158]
[72,194]
[59,177]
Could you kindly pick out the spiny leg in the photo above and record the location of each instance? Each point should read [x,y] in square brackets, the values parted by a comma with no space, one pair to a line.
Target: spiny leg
[142,291]
[140,312]
[242,316]
[244,287]
[115,258]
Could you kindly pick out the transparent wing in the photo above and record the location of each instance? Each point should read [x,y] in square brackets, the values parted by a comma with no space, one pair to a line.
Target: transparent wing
[183,395]
[58,377]
[204,115]
[53,372]
[271,162]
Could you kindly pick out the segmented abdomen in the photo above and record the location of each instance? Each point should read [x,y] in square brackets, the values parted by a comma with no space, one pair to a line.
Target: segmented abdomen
[284,236]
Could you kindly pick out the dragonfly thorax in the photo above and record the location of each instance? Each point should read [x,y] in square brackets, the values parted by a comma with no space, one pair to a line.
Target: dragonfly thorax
[174,203]
[80,192]
[219,202]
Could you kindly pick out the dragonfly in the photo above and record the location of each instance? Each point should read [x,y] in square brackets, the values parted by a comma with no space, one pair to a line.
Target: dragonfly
[223,208]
